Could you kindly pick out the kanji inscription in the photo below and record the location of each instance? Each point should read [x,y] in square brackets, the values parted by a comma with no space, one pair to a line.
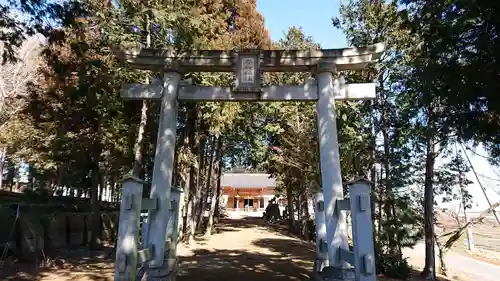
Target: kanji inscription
[248,70]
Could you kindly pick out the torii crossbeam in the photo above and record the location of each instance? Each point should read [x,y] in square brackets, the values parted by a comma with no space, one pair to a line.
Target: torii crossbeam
[248,66]
[306,92]
[271,60]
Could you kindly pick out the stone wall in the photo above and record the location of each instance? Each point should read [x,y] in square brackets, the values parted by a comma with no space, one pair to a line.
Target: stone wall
[34,232]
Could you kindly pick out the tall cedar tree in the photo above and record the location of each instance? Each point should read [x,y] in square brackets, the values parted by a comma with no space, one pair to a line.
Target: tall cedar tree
[76,103]
[223,25]
[460,59]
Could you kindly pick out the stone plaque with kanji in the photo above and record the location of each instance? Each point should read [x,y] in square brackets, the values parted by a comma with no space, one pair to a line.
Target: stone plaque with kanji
[247,71]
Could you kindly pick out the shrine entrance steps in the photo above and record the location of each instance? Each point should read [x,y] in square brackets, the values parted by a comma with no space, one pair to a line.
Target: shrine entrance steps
[246,249]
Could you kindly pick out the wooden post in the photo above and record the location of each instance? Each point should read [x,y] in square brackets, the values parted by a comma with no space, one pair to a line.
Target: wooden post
[362,232]
[128,230]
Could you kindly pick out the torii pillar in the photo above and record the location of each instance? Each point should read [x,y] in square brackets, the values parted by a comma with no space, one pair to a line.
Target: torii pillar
[162,178]
[331,176]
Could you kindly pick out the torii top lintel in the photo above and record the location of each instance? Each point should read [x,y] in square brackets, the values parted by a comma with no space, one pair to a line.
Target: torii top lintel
[270,60]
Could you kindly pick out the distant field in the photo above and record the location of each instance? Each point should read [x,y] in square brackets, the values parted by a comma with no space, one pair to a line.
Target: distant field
[486,238]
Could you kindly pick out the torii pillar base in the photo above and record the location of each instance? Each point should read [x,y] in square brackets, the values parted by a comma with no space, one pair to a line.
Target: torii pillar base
[168,273]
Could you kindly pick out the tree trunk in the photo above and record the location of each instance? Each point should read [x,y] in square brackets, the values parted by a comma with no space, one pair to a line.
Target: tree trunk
[59,175]
[139,143]
[193,189]
[180,179]
[11,175]
[188,219]
[209,167]
[298,203]
[214,180]
[443,269]
[305,205]
[387,169]
[373,195]
[206,158]
[219,176]
[380,199]
[429,271]
[177,173]
[201,191]
[31,176]
[191,215]
[187,190]
[100,191]
[2,161]
[104,187]
[305,214]
[289,198]
[113,190]
[95,235]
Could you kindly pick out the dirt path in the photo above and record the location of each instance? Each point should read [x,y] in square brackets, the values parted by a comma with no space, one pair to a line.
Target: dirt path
[242,250]
[247,250]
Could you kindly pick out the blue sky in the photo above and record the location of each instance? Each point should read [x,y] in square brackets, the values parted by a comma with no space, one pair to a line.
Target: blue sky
[314,16]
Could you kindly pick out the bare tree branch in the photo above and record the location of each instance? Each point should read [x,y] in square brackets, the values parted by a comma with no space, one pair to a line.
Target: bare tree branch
[14,78]
[457,233]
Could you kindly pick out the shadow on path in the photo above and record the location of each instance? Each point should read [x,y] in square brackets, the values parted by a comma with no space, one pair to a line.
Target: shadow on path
[287,247]
[74,265]
[262,252]
[229,265]
[231,225]
[239,250]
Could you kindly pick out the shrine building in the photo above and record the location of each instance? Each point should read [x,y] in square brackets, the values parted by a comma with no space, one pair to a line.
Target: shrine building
[247,192]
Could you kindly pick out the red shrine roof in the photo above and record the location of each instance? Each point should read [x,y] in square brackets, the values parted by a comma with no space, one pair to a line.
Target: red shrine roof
[246,180]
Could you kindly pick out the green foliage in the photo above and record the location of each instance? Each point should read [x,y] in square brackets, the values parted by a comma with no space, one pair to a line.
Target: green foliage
[420,112]
[394,266]
[383,135]
[457,63]
[292,152]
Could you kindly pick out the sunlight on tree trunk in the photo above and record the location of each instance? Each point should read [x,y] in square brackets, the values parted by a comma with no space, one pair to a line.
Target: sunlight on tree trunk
[429,271]
[214,185]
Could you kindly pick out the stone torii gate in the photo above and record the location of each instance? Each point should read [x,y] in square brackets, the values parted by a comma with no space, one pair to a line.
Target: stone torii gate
[248,66]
